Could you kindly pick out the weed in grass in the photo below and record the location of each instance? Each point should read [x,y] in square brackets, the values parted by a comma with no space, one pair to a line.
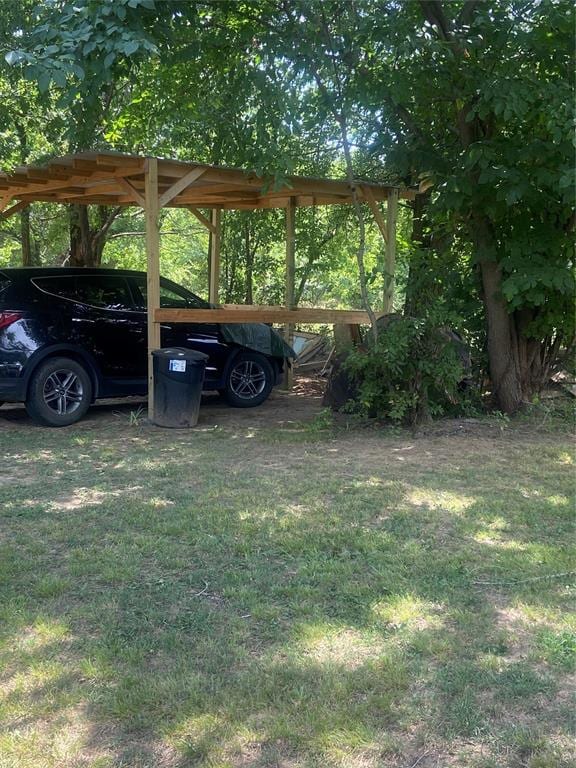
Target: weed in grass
[558,648]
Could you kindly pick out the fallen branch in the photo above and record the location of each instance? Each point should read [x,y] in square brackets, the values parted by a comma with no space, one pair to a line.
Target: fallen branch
[525,581]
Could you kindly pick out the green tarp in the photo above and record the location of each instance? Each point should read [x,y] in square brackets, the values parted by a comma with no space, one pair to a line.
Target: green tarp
[257,336]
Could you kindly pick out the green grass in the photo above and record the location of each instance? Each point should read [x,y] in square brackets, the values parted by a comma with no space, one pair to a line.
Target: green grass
[300,597]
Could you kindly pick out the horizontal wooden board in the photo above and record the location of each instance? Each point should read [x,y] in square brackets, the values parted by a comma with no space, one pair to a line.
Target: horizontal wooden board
[256,314]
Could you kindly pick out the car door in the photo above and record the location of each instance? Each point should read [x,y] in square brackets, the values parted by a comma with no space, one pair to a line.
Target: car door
[203,337]
[102,320]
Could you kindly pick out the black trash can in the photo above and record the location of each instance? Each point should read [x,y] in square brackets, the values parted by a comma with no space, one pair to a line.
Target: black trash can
[178,379]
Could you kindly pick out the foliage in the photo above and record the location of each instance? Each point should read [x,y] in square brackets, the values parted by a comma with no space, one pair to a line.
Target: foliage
[472,98]
[410,374]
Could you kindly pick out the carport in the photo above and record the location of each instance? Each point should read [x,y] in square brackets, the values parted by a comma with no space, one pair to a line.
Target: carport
[109,178]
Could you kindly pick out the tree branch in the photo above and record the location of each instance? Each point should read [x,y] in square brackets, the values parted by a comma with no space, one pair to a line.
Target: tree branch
[434,14]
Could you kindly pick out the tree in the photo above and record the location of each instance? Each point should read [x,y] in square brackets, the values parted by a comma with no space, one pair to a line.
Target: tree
[476,99]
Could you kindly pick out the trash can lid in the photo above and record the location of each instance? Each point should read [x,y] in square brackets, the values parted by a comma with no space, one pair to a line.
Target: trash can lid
[180,353]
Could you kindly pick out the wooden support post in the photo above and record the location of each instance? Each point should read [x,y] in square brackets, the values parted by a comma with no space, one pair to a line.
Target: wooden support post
[390,257]
[153,268]
[346,336]
[289,289]
[214,270]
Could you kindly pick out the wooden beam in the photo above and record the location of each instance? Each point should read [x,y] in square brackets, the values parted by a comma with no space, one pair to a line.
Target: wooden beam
[255,314]
[153,269]
[214,276]
[289,284]
[132,191]
[376,212]
[14,209]
[390,256]
[180,185]
[202,219]
[5,200]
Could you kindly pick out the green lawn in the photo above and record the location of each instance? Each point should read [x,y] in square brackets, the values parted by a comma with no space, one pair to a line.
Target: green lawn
[296,597]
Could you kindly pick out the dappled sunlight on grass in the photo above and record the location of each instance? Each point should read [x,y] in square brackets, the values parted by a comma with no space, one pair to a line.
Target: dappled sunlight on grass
[409,611]
[197,600]
[455,503]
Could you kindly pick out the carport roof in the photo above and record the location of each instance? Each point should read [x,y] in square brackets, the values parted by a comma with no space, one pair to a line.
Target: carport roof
[111,178]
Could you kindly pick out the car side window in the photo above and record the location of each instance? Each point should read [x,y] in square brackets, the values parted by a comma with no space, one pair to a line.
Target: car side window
[102,291]
[58,286]
[171,296]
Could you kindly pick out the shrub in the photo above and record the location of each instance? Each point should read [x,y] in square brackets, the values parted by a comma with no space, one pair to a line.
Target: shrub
[412,373]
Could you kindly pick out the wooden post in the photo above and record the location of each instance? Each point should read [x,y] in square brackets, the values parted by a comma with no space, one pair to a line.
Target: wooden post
[390,257]
[214,271]
[346,336]
[289,289]
[152,211]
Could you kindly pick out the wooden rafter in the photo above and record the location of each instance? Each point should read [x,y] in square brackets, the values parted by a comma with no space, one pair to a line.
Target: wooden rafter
[180,185]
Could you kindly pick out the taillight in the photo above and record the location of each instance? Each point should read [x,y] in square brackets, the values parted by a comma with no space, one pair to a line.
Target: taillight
[8,317]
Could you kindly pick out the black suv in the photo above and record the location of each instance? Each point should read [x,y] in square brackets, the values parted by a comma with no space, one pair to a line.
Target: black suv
[69,336]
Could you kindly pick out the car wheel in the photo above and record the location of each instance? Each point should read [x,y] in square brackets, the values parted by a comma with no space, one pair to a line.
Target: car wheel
[249,381]
[60,393]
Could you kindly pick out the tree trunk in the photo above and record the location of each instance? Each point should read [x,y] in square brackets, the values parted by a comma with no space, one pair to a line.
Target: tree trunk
[26,238]
[81,250]
[249,257]
[502,341]
[421,243]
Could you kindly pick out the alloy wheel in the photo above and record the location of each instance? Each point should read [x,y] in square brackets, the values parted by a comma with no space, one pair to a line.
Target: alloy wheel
[63,392]
[247,379]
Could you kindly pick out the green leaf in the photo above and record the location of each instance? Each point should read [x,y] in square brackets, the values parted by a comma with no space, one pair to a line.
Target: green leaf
[109,60]
[13,57]
[44,82]
[131,47]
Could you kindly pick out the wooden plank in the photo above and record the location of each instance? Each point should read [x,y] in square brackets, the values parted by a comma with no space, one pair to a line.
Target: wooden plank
[376,212]
[153,269]
[390,256]
[289,284]
[214,276]
[202,219]
[180,185]
[5,200]
[255,314]
[132,191]
[14,209]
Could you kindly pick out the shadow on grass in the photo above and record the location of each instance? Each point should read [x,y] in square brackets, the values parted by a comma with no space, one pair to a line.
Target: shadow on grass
[181,602]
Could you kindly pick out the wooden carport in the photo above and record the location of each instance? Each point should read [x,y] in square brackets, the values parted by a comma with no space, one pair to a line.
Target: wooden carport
[109,178]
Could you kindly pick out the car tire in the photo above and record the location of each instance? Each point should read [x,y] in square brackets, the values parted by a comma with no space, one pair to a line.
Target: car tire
[249,380]
[60,392]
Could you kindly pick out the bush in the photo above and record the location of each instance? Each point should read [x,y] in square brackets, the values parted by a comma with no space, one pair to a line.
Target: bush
[413,373]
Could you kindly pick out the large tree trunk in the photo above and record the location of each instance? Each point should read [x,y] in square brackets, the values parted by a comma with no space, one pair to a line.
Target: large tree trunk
[81,251]
[502,341]
[87,244]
